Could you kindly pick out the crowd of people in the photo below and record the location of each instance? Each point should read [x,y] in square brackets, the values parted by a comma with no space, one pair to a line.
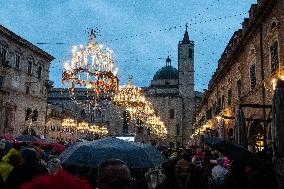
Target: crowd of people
[34,166]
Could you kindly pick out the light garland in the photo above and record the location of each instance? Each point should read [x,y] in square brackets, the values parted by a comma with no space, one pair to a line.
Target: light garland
[96,130]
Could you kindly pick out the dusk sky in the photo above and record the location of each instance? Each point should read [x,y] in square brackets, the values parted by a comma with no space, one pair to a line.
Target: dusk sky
[67,22]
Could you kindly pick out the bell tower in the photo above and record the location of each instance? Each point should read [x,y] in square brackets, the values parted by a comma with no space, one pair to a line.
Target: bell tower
[186,82]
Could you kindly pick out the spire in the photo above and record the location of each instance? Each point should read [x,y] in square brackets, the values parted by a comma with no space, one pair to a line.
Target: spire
[92,37]
[168,61]
[185,36]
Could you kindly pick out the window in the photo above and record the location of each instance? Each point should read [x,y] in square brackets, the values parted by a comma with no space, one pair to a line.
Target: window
[229,97]
[190,53]
[28,113]
[172,113]
[17,61]
[178,130]
[39,70]
[252,76]
[1,81]
[30,64]
[239,88]
[274,58]
[27,89]
[53,128]
[140,129]
[35,115]
[3,52]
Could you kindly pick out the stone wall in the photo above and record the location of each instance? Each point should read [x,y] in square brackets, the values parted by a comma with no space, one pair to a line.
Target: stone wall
[20,89]
[249,45]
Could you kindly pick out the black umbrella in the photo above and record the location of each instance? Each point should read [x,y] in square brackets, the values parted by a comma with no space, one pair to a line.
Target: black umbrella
[232,150]
[278,131]
[27,138]
[211,141]
[93,153]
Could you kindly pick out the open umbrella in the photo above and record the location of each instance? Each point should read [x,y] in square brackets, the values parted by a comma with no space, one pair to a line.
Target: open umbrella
[234,151]
[211,141]
[28,138]
[92,154]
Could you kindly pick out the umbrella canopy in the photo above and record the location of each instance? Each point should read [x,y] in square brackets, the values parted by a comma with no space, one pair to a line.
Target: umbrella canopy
[28,138]
[211,141]
[234,151]
[241,127]
[92,154]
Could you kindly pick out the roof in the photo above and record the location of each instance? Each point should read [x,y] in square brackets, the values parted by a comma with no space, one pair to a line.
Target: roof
[26,43]
[166,72]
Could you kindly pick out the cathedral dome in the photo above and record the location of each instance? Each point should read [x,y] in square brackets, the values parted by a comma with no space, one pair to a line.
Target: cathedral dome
[167,72]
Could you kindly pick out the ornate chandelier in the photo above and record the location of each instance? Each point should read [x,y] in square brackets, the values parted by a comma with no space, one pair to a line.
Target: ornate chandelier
[91,67]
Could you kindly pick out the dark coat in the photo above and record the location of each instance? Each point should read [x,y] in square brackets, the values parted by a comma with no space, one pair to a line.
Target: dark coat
[24,173]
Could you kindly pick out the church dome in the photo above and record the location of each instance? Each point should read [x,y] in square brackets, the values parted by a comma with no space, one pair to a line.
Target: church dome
[167,72]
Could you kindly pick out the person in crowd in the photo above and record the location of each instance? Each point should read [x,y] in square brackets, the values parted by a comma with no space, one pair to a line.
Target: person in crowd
[176,175]
[154,177]
[114,174]
[2,148]
[195,173]
[219,172]
[62,180]
[25,172]
[9,161]
[54,166]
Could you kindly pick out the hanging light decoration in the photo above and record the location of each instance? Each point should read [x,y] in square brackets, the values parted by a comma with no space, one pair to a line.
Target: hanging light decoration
[132,99]
[97,130]
[157,127]
[91,67]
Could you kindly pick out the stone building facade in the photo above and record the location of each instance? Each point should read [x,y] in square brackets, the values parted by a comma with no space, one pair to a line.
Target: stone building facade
[244,79]
[82,108]
[172,94]
[24,74]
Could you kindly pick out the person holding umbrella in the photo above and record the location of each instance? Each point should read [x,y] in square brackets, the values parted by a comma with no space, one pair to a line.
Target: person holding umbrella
[114,174]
